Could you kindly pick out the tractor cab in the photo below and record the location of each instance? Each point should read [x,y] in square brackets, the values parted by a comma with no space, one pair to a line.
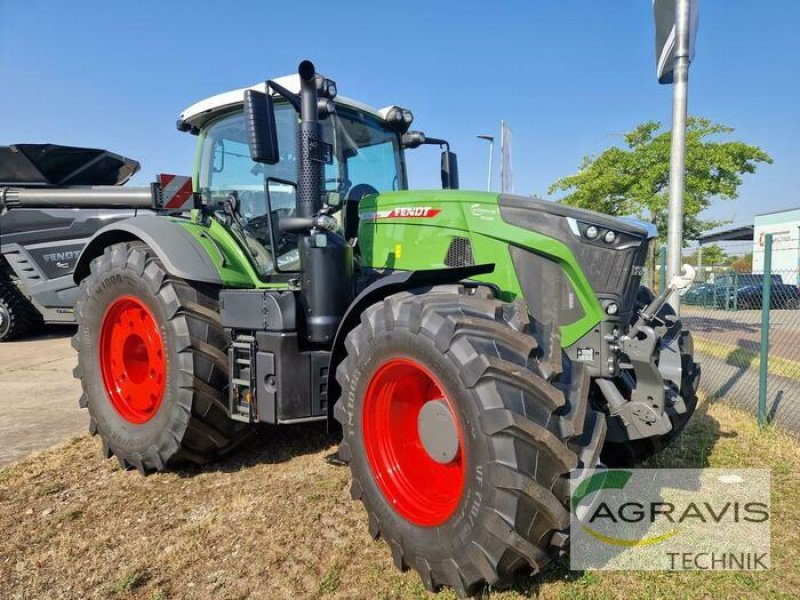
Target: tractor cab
[363,154]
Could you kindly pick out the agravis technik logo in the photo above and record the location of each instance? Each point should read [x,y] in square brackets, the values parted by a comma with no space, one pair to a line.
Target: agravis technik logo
[706,519]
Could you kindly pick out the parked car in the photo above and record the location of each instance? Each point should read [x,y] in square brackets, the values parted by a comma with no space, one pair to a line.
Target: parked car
[750,297]
[702,295]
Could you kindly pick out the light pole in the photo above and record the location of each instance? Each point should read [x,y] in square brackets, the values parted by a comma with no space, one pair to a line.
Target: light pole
[490,139]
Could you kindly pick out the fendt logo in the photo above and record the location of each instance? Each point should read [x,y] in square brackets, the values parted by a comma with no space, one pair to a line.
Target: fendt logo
[59,257]
[402,212]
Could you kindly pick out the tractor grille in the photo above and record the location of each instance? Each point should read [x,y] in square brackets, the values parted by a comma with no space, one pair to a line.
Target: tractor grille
[459,254]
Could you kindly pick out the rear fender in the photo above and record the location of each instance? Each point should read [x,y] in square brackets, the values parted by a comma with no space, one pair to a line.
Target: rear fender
[180,253]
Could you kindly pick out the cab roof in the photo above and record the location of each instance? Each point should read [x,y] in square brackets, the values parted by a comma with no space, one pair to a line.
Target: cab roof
[200,113]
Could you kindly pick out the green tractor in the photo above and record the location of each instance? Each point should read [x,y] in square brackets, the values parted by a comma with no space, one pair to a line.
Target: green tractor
[475,349]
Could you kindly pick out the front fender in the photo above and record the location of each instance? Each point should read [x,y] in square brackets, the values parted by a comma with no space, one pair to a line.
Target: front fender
[378,290]
[179,252]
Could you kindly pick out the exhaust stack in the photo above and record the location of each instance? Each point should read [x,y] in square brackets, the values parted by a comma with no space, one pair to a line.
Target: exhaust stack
[309,145]
[326,258]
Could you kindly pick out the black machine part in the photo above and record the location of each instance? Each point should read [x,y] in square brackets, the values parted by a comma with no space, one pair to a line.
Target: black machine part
[45,165]
[40,248]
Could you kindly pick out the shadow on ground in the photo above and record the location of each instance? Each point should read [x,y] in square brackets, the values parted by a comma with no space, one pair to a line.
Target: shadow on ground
[712,324]
[51,332]
[270,444]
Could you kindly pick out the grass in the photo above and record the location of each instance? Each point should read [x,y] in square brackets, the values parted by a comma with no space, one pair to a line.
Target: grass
[744,357]
[276,521]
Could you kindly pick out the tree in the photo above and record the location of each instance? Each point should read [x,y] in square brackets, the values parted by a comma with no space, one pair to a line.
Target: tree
[712,255]
[634,180]
[743,264]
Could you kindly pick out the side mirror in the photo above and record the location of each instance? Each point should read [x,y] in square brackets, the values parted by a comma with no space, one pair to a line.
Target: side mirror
[262,134]
[449,170]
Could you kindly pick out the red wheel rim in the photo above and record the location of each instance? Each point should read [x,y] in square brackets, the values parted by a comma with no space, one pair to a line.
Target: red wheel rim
[132,360]
[420,489]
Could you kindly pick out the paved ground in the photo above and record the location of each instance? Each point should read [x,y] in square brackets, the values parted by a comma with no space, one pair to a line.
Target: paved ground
[38,396]
[738,384]
[735,375]
[742,328]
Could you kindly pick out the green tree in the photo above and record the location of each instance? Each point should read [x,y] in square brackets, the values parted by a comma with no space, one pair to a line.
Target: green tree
[712,255]
[634,180]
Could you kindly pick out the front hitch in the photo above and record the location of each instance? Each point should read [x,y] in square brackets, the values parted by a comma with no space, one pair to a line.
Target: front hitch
[653,389]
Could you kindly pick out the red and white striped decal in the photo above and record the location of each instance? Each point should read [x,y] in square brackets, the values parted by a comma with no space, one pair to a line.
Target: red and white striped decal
[176,192]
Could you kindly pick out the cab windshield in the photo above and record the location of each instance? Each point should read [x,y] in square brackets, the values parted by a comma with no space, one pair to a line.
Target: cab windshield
[366,158]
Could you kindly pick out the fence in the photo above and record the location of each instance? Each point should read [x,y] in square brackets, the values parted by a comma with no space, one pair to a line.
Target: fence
[744,315]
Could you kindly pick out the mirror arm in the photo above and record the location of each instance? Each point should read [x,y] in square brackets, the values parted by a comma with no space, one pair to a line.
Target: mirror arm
[437,142]
[293,99]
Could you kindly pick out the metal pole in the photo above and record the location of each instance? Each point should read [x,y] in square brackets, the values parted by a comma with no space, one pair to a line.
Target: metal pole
[677,167]
[491,166]
[700,258]
[489,139]
[502,156]
[662,272]
[766,293]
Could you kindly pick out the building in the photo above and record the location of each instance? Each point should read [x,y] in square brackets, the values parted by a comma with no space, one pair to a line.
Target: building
[785,229]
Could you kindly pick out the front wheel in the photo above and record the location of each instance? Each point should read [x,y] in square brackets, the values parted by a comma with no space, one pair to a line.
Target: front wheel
[151,362]
[460,441]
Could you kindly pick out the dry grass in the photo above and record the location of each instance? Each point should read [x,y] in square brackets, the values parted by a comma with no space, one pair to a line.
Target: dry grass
[276,521]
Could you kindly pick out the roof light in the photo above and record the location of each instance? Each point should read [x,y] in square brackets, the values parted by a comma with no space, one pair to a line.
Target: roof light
[399,118]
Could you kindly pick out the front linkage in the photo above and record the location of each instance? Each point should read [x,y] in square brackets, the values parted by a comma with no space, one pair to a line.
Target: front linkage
[658,375]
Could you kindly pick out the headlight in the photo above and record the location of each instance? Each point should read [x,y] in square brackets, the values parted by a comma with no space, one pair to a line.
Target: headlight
[591,232]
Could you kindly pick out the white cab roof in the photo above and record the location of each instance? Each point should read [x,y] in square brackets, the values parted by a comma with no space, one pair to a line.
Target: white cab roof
[200,113]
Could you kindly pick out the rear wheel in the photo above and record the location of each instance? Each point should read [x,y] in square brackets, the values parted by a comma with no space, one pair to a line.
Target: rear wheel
[18,317]
[461,432]
[152,362]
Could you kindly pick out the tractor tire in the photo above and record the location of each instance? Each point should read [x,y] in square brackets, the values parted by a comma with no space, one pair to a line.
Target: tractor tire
[633,452]
[18,317]
[152,363]
[461,432]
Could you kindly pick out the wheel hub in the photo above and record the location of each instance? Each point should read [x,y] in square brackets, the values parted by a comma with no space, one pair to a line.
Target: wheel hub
[413,442]
[132,359]
[437,431]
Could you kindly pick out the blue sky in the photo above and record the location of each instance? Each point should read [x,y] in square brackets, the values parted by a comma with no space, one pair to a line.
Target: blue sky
[567,76]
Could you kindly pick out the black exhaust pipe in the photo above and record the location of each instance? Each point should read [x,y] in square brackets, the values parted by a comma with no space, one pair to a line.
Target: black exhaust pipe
[326,258]
[309,144]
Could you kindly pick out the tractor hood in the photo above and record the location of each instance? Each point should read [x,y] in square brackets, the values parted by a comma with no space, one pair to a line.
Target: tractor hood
[51,165]
[592,262]
[427,204]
